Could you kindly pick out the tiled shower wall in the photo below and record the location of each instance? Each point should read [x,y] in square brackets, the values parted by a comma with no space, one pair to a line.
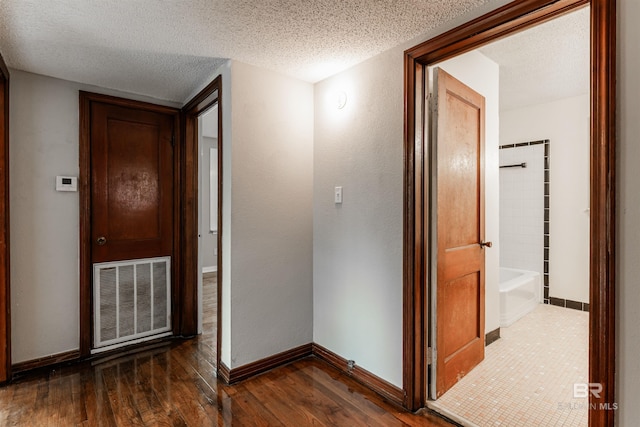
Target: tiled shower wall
[524,209]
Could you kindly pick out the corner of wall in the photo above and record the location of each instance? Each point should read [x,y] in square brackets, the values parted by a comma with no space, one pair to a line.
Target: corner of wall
[270,210]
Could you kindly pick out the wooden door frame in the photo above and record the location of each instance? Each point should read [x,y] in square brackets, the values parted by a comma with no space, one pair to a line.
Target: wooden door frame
[5,276]
[200,103]
[84,188]
[509,19]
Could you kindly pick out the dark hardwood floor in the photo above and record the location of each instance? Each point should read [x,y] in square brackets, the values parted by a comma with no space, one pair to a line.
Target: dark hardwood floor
[175,385]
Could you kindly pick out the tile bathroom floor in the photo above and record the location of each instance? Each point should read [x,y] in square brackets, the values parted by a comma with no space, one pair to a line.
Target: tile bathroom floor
[528,374]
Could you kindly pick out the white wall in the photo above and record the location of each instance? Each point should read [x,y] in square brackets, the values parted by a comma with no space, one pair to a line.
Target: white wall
[268,164]
[225,298]
[357,270]
[483,75]
[357,253]
[271,213]
[44,223]
[565,124]
[628,218]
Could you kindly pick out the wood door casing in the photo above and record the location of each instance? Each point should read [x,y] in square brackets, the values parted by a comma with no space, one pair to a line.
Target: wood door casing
[5,299]
[87,240]
[205,99]
[501,22]
[131,183]
[459,144]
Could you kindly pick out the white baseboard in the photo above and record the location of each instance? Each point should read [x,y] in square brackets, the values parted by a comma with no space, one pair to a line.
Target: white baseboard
[209,269]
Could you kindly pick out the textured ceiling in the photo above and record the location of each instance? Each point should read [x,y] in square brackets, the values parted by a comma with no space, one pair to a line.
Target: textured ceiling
[166,48]
[544,63]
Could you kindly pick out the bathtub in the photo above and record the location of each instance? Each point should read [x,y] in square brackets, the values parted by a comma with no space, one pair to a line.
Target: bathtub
[519,294]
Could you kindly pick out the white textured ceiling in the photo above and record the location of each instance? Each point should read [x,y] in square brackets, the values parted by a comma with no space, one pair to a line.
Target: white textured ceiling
[545,63]
[165,48]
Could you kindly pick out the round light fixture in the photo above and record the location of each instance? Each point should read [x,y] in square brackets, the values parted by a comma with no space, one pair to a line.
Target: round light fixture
[341,99]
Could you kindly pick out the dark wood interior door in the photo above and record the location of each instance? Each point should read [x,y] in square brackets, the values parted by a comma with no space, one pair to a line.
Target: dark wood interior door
[131,183]
[128,221]
[5,301]
[459,143]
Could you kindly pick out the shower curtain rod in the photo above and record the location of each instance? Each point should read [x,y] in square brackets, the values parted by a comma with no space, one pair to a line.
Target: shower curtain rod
[519,165]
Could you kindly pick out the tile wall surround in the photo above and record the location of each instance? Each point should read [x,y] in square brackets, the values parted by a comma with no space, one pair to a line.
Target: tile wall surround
[524,209]
[576,305]
[514,189]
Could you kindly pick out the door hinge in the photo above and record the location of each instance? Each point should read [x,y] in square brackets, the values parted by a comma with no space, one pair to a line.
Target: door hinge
[173,140]
[429,355]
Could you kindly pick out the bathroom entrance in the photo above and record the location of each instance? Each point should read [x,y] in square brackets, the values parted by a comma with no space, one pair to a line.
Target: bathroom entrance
[418,269]
[532,186]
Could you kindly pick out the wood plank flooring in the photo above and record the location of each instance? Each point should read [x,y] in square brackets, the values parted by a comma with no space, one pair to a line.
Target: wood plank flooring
[175,385]
[209,310]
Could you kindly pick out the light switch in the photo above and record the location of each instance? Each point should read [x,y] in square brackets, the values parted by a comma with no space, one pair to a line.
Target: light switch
[66,183]
[338,195]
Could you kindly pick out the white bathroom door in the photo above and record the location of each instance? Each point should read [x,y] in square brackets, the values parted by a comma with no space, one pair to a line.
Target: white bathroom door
[457,285]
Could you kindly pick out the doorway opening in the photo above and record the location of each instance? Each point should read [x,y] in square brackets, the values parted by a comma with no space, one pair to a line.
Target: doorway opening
[208,227]
[536,89]
[202,118]
[512,18]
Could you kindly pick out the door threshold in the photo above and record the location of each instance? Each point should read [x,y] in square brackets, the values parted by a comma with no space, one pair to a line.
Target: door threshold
[435,407]
[125,344]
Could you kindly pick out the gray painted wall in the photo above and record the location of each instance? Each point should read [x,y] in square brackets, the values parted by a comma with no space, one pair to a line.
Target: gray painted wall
[271,213]
[357,253]
[628,298]
[44,223]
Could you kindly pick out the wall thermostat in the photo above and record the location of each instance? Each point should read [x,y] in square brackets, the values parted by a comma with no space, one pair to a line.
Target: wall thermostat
[66,183]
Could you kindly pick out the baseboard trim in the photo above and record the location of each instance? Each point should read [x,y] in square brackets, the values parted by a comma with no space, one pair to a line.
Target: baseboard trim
[251,369]
[567,303]
[385,389]
[223,372]
[213,269]
[74,356]
[42,362]
[492,337]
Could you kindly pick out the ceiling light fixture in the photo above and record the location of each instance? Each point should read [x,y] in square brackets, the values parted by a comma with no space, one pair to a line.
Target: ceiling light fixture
[341,99]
